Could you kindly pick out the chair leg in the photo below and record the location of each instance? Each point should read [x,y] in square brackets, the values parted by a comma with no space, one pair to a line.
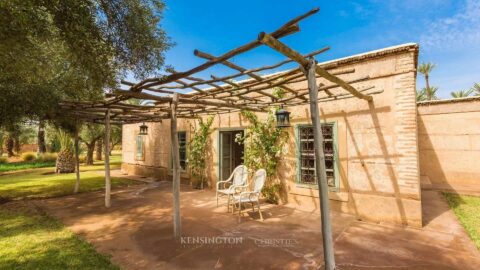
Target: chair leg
[239,208]
[253,207]
[228,205]
[259,211]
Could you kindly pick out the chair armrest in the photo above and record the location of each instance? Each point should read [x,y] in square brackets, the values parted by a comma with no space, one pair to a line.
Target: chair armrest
[222,182]
[238,189]
[249,194]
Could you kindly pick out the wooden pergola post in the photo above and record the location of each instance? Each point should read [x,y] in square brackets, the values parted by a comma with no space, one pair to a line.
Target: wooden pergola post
[320,169]
[77,160]
[177,224]
[108,184]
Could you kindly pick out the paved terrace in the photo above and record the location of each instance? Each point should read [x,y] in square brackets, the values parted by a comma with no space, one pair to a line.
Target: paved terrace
[137,232]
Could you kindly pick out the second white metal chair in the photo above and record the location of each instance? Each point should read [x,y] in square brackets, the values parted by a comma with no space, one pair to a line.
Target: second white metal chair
[252,197]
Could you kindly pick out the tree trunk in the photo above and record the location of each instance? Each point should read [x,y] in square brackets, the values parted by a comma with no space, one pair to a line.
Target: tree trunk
[17,147]
[112,145]
[98,150]
[90,150]
[9,145]
[427,85]
[42,148]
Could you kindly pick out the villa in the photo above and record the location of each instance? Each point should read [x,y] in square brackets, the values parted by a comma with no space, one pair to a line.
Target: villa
[379,154]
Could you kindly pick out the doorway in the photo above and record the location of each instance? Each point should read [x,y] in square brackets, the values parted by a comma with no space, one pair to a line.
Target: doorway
[231,152]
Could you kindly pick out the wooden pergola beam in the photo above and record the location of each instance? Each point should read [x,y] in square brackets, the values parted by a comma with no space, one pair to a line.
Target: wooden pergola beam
[241,69]
[275,44]
[185,100]
[288,28]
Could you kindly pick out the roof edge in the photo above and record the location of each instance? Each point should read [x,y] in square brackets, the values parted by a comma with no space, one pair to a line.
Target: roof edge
[450,100]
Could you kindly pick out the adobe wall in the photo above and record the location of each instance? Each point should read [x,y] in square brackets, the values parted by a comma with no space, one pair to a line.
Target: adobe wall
[377,143]
[449,143]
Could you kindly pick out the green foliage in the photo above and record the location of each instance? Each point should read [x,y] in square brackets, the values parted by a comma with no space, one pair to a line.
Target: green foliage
[263,148]
[476,89]
[16,166]
[426,68]
[420,95]
[56,50]
[467,210]
[3,160]
[91,132]
[32,240]
[427,94]
[461,93]
[197,150]
[45,183]
[47,157]
[278,92]
[65,140]
[29,156]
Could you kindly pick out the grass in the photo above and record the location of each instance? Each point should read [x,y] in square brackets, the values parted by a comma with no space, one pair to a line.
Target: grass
[467,210]
[32,240]
[44,183]
[5,167]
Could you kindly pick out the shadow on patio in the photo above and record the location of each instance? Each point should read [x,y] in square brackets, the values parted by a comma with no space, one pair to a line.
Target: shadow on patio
[137,232]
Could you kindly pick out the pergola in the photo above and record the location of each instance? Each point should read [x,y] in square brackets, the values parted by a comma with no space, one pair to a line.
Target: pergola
[185,95]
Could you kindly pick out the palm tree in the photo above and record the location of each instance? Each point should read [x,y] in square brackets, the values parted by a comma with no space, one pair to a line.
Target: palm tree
[430,93]
[461,93]
[65,159]
[421,95]
[425,69]
[476,89]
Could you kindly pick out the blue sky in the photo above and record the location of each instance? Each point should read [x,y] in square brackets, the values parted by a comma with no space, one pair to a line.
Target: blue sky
[448,32]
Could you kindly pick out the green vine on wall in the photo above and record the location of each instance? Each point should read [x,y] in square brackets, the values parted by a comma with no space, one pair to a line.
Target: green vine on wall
[197,149]
[263,148]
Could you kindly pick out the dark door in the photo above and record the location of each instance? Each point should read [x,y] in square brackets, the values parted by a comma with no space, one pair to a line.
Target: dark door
[231,152]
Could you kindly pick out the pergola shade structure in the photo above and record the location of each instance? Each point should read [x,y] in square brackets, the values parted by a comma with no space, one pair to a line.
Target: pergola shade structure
[188,95]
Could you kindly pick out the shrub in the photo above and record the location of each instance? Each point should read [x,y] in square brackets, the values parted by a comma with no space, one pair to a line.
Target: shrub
[28,156]
[47,157]
[3,160]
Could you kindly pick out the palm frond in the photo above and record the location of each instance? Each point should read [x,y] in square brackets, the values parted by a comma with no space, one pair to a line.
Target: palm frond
[425,68]
[461,93]
[476,89]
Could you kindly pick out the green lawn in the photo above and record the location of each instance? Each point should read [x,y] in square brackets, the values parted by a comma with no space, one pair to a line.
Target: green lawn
[32,240]
[467,210]
[44,183]
[29,239]
[5,167]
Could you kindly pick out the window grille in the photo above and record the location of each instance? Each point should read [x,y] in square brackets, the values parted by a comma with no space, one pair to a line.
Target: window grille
[307,154]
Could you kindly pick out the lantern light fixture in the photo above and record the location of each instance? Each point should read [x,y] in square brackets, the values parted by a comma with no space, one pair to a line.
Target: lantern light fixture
[283,117]
[143,129]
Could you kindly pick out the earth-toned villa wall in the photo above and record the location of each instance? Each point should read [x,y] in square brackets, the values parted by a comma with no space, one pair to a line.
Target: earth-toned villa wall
[377,146]
[449,142]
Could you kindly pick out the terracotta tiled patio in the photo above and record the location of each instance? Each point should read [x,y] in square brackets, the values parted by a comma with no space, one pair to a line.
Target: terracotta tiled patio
[137,232]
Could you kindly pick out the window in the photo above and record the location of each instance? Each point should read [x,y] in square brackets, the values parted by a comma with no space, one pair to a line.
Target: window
[139,148]
[306,158]
[182,149]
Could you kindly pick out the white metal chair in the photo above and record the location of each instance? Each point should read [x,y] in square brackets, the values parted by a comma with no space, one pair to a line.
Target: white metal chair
[236,183]
[253,196]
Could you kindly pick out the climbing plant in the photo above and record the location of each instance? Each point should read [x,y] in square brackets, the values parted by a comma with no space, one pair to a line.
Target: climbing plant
[263,147]
[197,151]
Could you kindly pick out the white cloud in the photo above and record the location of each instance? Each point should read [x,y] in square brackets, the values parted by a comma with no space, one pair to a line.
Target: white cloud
[458,31]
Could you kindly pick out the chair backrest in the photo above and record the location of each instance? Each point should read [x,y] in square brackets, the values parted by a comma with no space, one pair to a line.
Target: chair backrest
[259,180]
[240,175]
